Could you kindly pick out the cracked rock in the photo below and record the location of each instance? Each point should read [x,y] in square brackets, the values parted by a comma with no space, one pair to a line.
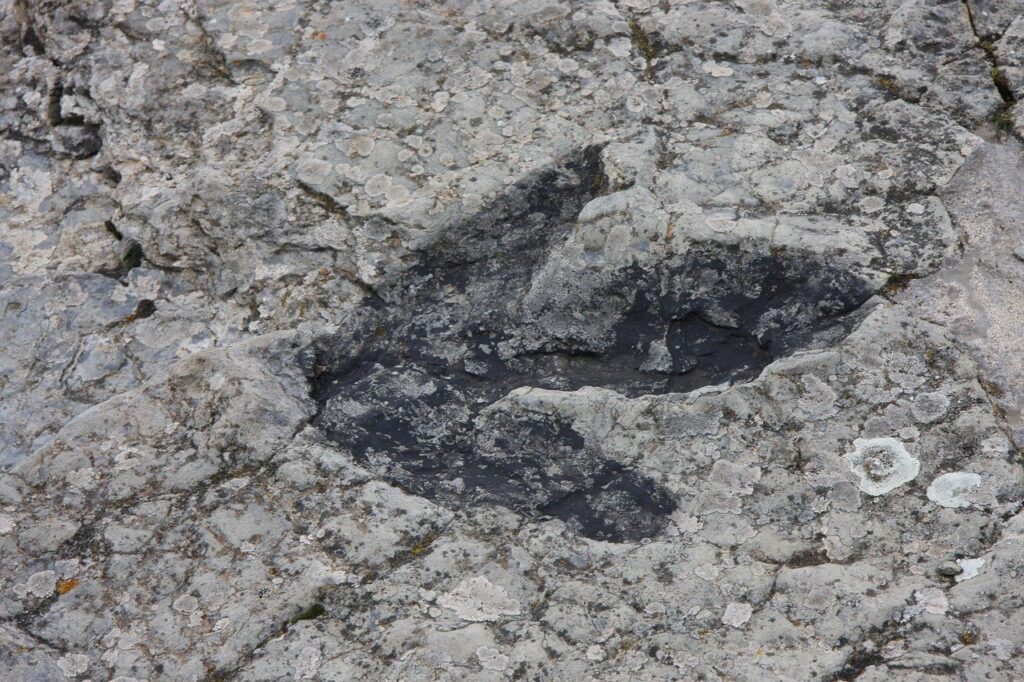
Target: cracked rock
[540,340]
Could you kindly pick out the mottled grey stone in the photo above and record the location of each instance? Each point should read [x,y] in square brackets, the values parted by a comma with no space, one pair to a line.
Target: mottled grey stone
[548,340]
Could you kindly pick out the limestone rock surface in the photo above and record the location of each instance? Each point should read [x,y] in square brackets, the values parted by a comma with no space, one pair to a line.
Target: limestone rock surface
[511,340]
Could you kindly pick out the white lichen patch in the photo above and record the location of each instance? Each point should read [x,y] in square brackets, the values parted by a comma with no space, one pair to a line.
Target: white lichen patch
[659,359]
[969,568]
[41,584]
[996,446]
[492,659]
[313,171]
[73,665]
[952,489]
[882,464]
[818,400]
[308,664]
[929,407]
[737,614]
[716,70]
[478,599]
[932,600]
[185,604]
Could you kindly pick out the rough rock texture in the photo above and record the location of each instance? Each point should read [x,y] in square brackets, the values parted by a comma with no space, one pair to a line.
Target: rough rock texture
[486,340]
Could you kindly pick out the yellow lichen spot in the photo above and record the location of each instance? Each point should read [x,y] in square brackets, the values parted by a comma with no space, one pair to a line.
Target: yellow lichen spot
[889,84]
[65,586]
[641,40]
[421,547]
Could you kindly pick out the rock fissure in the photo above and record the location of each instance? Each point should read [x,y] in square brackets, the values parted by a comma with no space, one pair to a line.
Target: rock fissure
[432,388]
[985,43]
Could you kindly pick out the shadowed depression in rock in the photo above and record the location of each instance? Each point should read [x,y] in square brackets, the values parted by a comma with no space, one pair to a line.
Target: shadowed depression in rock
[408,385]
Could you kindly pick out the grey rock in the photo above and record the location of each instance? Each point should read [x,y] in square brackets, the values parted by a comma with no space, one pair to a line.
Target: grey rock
[949,569]
[545,340]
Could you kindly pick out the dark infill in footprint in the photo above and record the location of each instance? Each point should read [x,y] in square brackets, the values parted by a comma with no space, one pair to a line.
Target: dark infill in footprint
[410,386]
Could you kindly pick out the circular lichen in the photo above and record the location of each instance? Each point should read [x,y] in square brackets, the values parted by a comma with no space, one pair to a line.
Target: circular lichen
[882,464]
[878,463]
